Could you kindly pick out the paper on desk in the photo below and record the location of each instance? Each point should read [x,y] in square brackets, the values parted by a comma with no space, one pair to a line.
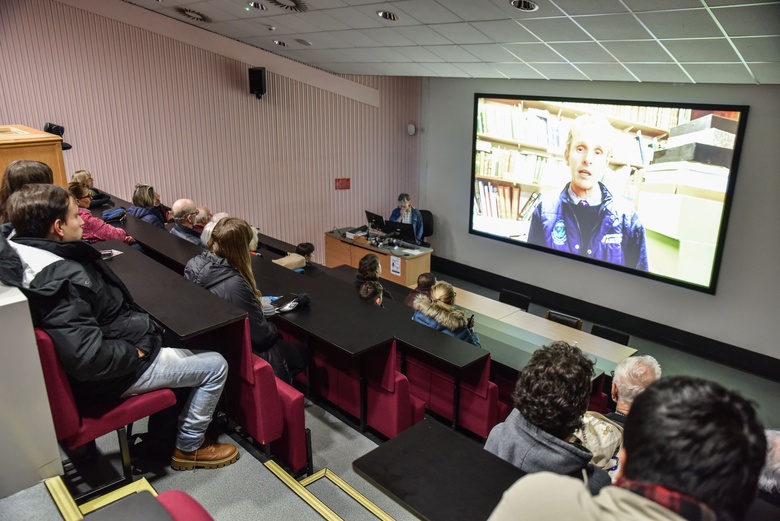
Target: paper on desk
[107,254]
[413,252]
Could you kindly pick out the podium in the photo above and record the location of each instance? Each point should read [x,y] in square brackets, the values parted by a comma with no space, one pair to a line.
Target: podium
[20,142]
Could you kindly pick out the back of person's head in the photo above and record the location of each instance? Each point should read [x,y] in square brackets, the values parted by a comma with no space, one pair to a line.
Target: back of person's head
[443,295]
[305,249]
[205,235]
[368,268]
[203,216]
[254,243]
[219,215]
[34,208]
[633,375]
[230,240]
[769,481]
[426,281]
[19,173]
[182,209]
[76,188]
[371,291]
[143,195]
[82,176]
[553,390]
[698,438]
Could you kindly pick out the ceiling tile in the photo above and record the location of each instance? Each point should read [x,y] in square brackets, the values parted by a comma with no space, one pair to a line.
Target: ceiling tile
[518,71]
[452,53]
[613,27]
[327,40]
[295,22]
[323,21]
[583,52]
[759,49]
[693,23]
[605,72]
[479,70]
[357,39]
[324,4]
[213,11]
[559,71]
[766,73]
[490,52]
[402,69]
[387,55]
[354,18]
[647,51]
[461,33]
[358,55]
[750,19]
[387,36]
[351,68]
[555,30]
[707,73]
[446,70]
[403,18]
[359,2]
[659,72]
[707,50]
[534,52]
[427,11]
[263,26]
[472,11]
[422,35]
[504,31]
[662,5]
[575,7]
[237,28]
[419,54]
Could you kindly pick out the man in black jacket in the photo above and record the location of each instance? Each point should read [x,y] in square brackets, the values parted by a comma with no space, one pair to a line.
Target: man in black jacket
[107,347]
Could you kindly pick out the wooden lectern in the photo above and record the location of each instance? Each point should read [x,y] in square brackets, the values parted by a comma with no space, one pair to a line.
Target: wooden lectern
[20,142]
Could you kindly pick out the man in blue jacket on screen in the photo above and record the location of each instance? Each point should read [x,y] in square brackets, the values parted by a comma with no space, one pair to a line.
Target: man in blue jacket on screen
[585,219]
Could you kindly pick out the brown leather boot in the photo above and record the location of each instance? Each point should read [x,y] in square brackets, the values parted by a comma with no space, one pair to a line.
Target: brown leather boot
[210,455]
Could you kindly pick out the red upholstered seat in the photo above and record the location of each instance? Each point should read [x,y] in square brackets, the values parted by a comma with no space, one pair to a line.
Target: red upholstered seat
[182,507]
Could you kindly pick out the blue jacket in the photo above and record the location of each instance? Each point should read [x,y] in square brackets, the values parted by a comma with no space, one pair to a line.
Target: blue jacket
[188,234]
[417,222]
[619,238]
[453,323]
[151,214]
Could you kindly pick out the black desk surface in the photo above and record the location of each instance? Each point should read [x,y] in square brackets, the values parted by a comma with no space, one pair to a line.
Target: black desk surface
[438,474]
[181,306]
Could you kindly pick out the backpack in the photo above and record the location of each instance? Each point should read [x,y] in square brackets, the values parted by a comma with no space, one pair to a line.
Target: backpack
[603,437]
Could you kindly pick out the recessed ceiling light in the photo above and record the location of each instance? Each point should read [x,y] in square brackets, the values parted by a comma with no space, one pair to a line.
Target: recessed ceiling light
[193,15]
[256,5]
[304,42]
[524,5]
[280,43]
[387,15]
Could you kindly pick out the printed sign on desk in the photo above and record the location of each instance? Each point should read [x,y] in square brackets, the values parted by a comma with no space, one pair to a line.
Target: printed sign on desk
[395,265]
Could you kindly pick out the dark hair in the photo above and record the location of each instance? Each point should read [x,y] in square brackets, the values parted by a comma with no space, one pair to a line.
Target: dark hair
[404,197]
[371,290]
[304,249]
[19,173]
[368,268]
[426,280]
[698,438]
[553,389]
[35,207]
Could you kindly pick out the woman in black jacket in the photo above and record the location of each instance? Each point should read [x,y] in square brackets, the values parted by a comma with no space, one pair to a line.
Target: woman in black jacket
[226,270]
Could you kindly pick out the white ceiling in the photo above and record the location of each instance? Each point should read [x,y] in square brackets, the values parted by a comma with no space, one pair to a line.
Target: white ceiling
[670,41]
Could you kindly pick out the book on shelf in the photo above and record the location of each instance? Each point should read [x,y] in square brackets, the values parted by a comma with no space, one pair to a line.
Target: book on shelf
[528,208]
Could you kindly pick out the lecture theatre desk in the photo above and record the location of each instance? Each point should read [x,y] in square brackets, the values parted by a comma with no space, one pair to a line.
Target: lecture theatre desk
[401,265]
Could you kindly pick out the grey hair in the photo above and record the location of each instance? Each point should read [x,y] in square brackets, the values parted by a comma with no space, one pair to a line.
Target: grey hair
[633,374]
[217,216]
[205,235]
[769,480]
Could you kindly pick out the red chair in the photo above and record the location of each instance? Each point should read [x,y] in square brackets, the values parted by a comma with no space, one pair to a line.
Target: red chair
[76,426]
[182,507]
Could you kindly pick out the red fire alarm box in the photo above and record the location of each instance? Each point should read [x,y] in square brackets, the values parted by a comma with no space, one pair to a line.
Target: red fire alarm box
[342,183]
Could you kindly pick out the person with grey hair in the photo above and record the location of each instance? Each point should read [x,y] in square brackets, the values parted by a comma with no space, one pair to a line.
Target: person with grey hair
[205,234]
[769,480]
[202,218]
[184,214]
[632,375]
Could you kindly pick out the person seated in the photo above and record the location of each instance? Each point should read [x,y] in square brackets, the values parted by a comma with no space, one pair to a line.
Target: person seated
[205,234]
[19,173]
[425,282]
[147,207]
[693,450]
[202,218]
[769,480]
[369,268]
[551,396]
[184,212]
[98,198]
[225,269]
[632,375]
[406,213]
[108,348]
[371,291]
[94,228]
[439,312]
[306,250]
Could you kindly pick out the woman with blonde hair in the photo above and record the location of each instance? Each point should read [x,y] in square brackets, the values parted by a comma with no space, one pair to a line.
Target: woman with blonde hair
[439,312]
[98,198]
[226,270]
[94,228]
[147,207]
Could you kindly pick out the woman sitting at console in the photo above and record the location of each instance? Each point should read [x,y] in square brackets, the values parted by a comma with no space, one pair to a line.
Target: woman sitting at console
[369,269]
[439,312]
[94,228]
[147,207]
[226,270]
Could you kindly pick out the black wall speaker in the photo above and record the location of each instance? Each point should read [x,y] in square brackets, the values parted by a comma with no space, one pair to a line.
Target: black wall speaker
[257,81]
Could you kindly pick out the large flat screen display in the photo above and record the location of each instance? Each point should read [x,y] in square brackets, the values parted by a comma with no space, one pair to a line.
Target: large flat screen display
[640,187]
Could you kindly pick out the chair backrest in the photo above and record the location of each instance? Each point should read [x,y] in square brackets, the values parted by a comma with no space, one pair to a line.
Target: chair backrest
[427,218]
[515,299]
[566,320]
[610,334]
[64,411]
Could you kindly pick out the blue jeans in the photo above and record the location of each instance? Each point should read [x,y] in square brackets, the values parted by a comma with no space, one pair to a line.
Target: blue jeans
[204,371]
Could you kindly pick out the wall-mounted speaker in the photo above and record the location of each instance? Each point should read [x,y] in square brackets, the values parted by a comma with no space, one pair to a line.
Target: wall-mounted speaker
[257,81]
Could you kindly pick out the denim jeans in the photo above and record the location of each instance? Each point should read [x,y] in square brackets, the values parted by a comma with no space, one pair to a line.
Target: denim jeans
[204,371]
